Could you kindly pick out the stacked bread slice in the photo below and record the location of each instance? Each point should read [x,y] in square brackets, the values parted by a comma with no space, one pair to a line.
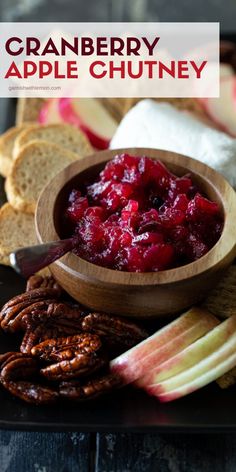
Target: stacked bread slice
[30,155]
[16,230]
[222,302]
[7,141]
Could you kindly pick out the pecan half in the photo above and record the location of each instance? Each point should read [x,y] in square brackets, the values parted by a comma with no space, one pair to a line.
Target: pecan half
[37,294]
[38,281]
[76,390]
[17,305]
[14,369]
[74,355]
[4,358]
[31,338]
[67,348]
[60,319]
[66,314]
[31,392]
[43,332]
[18,321]
[79,366]
[18,366]
[114,330]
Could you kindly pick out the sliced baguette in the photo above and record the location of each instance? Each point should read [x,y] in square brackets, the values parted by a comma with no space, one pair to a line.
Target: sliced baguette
[63,135]
[16,230]
[28,109]
[221,301]
[228,379]
[4,260]
[7,141]
[35,166]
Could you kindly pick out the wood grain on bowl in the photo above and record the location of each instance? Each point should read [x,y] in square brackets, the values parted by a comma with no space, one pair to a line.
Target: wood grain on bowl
[138,294]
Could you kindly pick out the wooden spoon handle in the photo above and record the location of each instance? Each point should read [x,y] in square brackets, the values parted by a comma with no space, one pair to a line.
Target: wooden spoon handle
[29,260]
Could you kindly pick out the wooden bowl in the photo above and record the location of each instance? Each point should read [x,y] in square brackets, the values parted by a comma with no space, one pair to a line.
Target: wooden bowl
[138,294]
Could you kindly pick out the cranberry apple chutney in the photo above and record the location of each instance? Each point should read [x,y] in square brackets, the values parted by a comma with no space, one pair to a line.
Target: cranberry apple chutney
[140,217]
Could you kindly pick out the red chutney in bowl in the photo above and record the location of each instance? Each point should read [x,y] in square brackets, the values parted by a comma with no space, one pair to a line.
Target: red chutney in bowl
[140,217]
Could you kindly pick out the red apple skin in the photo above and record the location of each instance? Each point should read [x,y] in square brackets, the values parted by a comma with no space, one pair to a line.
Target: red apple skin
[49,112]
[69,116]
[219,125]
[234,92]
[169,397]
[43,115]
[131,367]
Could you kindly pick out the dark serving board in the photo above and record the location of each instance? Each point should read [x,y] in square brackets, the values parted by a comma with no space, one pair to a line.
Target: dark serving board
[210,409]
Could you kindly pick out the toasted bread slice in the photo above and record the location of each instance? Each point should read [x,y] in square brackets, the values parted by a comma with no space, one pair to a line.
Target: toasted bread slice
[7,141]
[16,230]
[221,301]
[28,109]
[4,260]
[63,135]
[34,167]
[228,379]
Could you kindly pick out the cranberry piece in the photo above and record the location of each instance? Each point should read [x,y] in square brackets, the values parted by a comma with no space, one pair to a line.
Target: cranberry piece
[74,195]
[130,220]
[99,190]
[181,202]
[159,257]
[132,206]
[77,208]
[112,171]
[113,235]
[117,197]
[127,160]
[172,217]
[129,214]
[125,239]
[148,238]
[135,260]
[179,185]
[149,220]
[195,248]
[95,211]
[200,207]
[160,175]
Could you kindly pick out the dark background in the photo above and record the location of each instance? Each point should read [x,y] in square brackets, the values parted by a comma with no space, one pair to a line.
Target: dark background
[121,10]
[72,452]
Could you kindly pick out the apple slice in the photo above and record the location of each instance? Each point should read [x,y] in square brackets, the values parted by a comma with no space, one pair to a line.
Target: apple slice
[49,112]
[220,369]
[163,345]
[190,356]
[217,363]
[223,110]
[226,70]
[91,117]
